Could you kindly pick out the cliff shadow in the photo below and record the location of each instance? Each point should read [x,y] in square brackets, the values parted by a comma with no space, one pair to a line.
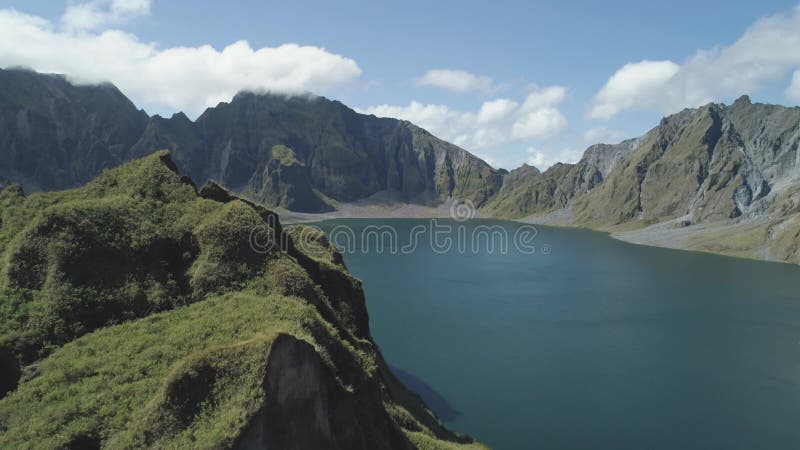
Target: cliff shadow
[434,400]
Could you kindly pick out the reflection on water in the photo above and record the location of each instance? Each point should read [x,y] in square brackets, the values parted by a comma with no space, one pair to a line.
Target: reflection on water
[433,399]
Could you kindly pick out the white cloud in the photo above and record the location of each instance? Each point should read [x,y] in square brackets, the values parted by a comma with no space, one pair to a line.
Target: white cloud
[766,52]
[544,97]
[496,123]
[457,81]
[543,159]
[793,92]
[178,78]
[540,123]
[538,115]
[495,110]
[635,84]
[94,14]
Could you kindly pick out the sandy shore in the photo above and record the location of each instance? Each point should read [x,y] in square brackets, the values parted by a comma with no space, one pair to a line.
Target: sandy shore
[373,211]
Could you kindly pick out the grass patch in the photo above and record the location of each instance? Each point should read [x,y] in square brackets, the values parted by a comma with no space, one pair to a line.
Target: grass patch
[284,155]
[95,385]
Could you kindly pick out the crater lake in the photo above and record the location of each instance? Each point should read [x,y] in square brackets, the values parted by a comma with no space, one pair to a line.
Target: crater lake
[585,341]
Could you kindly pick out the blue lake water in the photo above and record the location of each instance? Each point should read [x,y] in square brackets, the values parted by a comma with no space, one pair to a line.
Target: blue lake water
[587,342]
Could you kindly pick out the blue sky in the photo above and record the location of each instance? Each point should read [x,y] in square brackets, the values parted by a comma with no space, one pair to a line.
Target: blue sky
[544,73]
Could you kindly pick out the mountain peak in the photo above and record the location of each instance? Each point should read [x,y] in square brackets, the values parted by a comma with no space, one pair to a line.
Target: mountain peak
[272,95]
[743,100]
[529,168]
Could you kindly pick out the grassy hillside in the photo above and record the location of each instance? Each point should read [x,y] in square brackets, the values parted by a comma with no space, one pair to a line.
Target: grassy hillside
[139,313]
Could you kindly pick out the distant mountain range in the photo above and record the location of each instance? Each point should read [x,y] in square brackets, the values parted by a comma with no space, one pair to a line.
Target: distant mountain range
[301,153]
[718,178]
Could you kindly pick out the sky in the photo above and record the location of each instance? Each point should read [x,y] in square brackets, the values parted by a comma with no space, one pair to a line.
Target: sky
[511,81]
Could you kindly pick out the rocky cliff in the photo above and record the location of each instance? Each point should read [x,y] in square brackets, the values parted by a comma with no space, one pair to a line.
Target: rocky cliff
[137,312]
[55,135]
[303,153]
[717,178]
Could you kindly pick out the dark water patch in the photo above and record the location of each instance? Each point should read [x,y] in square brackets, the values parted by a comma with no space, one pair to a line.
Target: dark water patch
[435,402]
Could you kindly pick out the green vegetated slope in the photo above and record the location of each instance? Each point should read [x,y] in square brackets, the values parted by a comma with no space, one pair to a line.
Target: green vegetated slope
[138,313]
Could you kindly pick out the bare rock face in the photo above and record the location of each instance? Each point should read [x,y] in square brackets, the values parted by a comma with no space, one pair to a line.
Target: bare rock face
[527,191]
[606,157]
[306,409]
[9,372]
[719,166]
[299,152]
[709,164]
[56,135]
[714,163]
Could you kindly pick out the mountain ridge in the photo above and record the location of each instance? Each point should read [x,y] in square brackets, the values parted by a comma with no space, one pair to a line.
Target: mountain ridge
[685,183]
[139,312]
[338,155]
[700,177]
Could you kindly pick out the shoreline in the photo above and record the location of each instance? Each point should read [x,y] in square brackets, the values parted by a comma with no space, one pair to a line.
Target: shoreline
[717,239]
